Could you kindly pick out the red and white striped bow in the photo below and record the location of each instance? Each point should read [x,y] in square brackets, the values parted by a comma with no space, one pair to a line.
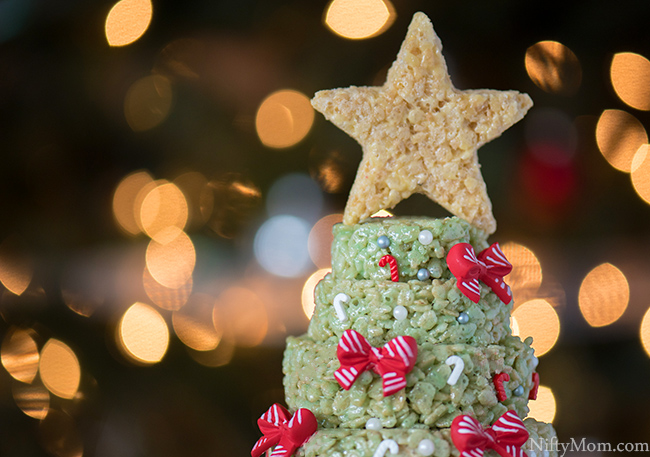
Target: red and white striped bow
[490,266]
[506,436]
[283,431]
[392,362]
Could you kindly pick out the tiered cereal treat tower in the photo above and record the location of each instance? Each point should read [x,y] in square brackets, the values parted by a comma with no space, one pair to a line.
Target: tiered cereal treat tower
[409,351]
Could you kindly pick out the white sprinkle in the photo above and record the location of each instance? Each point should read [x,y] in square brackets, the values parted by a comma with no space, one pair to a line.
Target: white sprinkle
[338,306]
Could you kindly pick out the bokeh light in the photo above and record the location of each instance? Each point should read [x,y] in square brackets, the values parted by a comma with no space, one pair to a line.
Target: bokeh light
[544,408]
[164,206]
[236,197]
[59,435]
[168,298]
[16,269]
[19,354]
[199,197]
[640,173]
[142,334]
[630,75]
[328,169]
[32,399]
[295,194]
[125,197]
[171,260]
[382,213]
[644,332]
[320,240]
[281,246]
[127,21]
[148,102]
[217,357]
[604,295]
[553,67]
[194,323]
[619,136]
[284,118]
[244,314]
[59,369]
[526,275]
[308,303]
[538,319]
[359,19]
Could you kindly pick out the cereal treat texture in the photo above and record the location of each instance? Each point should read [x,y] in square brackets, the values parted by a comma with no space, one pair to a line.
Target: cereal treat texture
[431,314]
[421,134]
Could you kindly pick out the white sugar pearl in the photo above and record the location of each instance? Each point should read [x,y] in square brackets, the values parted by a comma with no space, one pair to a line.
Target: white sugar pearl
[373,424]
[400,313]
[426,447]
[425,237]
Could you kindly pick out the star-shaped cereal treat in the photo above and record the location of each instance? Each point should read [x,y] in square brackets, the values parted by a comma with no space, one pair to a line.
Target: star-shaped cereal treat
[421,134]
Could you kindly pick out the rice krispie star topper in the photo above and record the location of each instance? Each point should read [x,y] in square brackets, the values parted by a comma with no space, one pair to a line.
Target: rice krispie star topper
[421,134]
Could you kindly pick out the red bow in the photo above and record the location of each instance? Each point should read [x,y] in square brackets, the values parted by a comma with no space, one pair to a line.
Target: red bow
[490,266]
[281,429]
[506,436]
[391,362]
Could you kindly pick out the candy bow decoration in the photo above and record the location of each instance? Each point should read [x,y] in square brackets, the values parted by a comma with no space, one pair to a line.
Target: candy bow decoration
[506,436]
[283,431]
[392,362]
[490,266]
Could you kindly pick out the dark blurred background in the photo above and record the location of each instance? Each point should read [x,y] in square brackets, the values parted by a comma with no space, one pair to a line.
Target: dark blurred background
[166,197]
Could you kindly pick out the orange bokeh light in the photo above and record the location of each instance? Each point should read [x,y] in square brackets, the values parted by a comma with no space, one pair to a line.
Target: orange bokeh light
[619,136]
[320,239]
[538,319]
[640,173]
[32,399]
[644,332]
[526,276]
[243,314]
[284,118]
[308,303]
[171,260]
[553,67]
[127,21]
[142,334]
[16,270]
[59,369]
[544,408]
[19,354]
[630,75]
[604,295]
[359,19]
[125,198]
[194,323]
[164,206]
[148,102]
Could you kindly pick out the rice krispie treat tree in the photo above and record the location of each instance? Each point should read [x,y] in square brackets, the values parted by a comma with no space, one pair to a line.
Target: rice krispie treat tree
[409,351]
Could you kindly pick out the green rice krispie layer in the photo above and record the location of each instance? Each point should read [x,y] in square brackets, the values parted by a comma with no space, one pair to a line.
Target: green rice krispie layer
[433,308]
[356,255]
[363,443]
[427,399]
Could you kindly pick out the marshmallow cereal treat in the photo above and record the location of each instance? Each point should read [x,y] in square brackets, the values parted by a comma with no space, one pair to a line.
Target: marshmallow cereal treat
[420,134]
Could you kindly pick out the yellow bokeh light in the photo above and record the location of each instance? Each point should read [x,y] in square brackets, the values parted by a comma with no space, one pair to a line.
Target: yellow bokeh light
[604,295]
[33,400]
[168,298]
[59,369]
[359,19]
[382,213]
[284,118]
[142,334]
[127,21]
[619,136]
[148,102]
[553,67]
[171,261]
[538,319]
[125,198]
[194,323]
[320,239]
[16,270]
[640,173]
[164,206]
[243,313]
[308,303]
[526,275]
[644,332]
[19,354]
[630,74]
[544,408]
